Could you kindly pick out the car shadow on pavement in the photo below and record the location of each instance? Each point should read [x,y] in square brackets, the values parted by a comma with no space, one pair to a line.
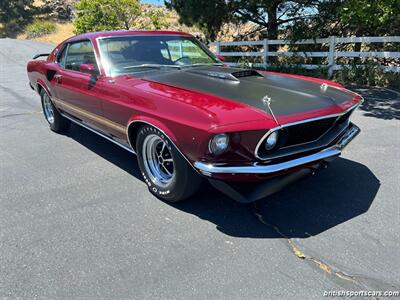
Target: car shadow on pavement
[109,151]
[306,208]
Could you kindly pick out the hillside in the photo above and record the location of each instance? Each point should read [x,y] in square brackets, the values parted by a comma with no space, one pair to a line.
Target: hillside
[65,29]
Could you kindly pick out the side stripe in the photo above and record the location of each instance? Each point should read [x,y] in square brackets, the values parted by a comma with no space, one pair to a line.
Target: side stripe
[84,113]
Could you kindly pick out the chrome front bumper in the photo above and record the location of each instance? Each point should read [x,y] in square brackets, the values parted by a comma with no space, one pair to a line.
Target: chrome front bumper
[330,152]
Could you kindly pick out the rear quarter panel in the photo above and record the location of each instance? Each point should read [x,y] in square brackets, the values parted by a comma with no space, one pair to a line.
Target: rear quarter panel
[38,74]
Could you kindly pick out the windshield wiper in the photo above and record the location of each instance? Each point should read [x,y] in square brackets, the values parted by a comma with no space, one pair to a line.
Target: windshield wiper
[203,64]
[159,66]
[156,66]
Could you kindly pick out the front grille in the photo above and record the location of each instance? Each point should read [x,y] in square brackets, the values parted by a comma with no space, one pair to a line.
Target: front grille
[305,136]
[306,132]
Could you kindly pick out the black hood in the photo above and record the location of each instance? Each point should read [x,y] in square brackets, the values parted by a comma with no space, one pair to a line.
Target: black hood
[284,95]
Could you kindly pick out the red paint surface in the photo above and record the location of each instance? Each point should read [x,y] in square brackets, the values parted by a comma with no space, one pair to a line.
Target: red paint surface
[189,118]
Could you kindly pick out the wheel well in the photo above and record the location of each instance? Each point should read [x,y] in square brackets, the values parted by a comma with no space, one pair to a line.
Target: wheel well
[133,130]
[39,88]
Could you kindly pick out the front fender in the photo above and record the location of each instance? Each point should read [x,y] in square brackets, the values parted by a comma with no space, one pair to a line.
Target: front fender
[153,122]
[164,129]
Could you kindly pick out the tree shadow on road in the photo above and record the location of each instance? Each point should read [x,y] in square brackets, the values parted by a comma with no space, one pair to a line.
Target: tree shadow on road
[380,103]
[308,207]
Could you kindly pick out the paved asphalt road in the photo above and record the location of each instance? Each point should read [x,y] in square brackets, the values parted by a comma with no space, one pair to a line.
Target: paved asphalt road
[77,221]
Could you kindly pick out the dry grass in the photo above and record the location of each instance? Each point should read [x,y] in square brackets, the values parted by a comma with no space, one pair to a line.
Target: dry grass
[63,31]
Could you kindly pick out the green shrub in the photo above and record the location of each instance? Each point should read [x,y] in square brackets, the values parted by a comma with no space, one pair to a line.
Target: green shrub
[100,15]
[39,28]
[320,72]
[392,79]
[367,74]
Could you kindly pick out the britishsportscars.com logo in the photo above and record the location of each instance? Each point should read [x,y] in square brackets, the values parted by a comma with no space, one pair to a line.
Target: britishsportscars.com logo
[350,294]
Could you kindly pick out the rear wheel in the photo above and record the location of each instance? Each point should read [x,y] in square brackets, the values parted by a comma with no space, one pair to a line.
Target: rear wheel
[56,121]
[167,174]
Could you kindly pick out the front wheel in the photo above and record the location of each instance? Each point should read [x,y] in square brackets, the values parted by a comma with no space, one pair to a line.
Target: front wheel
[167,174]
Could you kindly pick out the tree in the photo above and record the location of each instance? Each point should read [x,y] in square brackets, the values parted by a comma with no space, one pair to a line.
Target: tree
[300,18]
[158,18]
[379,17]
[98,15]
[15,10]
[207,15]
[350,17]
[269,15]
[14,15]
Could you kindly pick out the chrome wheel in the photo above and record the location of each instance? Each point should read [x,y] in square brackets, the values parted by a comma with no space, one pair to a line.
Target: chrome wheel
[158,160]
[48,109]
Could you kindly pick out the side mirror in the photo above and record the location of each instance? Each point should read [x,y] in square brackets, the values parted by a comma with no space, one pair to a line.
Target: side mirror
[88,68]
[221,58]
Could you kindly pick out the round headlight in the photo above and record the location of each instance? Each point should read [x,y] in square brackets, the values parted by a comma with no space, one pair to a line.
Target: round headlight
[219,143]
[271,140]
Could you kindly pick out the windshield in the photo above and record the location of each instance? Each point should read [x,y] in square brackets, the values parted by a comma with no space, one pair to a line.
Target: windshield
[127,54]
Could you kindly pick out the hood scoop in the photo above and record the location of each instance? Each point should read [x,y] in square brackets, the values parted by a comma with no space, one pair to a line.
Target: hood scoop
[246,73]
[225,74]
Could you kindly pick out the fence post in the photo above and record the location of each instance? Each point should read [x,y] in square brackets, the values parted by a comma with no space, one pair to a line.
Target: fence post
[265,53]
[218,47]
[331,55]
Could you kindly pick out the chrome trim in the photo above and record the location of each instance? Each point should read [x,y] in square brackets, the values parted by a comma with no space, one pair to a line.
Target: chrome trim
[139,34]
[212,55]
[68,107]
[329,152]
[301,122]
[257,169]
[309,149]
[162,131]
[45,87]
[98,133]
[67,44]
[211,139]
[320,137]
[130,148]
[97,39]
[159,169]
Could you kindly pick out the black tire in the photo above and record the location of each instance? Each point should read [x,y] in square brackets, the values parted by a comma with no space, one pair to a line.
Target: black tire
[185,181]
[58,123]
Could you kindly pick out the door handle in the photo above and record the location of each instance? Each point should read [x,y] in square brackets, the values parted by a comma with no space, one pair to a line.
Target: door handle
[58,78]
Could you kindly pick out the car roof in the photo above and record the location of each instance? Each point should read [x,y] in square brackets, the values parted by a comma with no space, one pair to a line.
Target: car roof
[94,35]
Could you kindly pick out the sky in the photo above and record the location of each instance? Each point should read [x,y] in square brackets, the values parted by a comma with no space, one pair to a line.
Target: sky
[159,2]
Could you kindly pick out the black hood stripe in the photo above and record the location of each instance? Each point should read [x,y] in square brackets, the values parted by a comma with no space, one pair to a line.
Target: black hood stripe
[287,95]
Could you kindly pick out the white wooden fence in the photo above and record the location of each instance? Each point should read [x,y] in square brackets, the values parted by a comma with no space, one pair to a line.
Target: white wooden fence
[331,55]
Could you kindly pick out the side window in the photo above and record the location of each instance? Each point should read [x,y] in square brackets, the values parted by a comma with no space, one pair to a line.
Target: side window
[187,49]
[80,53]
[61,56]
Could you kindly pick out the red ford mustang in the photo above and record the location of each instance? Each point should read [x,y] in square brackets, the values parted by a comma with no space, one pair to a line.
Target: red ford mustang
[167,98]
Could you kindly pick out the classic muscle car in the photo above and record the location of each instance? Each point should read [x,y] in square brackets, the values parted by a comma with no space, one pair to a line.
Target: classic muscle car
[188,116]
